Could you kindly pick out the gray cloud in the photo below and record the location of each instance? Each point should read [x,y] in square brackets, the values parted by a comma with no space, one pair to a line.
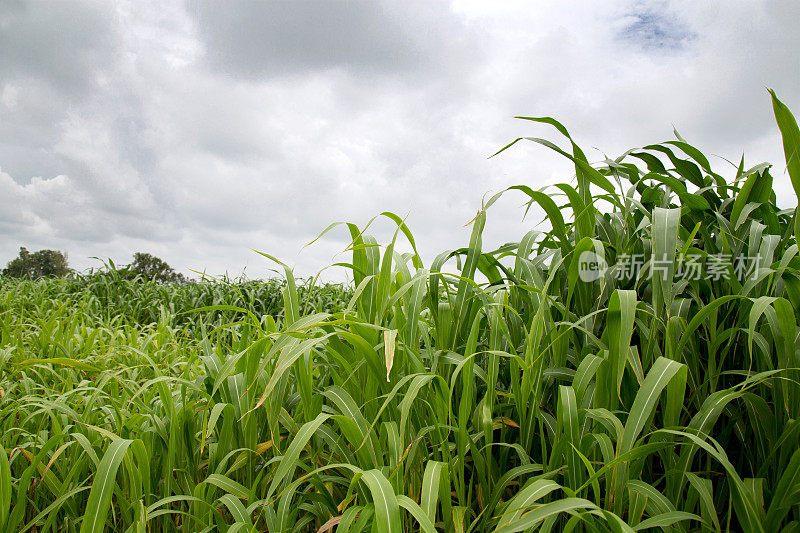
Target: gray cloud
[266,39]
[64,43]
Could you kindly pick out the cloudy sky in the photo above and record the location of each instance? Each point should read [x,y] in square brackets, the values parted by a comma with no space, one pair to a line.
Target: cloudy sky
[198,131]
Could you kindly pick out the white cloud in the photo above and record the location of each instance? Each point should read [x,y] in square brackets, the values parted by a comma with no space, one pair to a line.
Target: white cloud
[198,141]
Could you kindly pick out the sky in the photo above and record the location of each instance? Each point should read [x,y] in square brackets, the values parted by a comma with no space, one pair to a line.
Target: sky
[201,131]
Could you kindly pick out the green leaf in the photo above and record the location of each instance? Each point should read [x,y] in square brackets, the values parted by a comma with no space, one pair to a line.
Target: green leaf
[425,523]
[228,485]
[666,519]
[619,326]
[288,462]
[527,498]
[94,517]
[791,139]
[387,510]
[430,488]
[704,489]
[5,487]
[660,374]
[539,514]
[236,509]
[665,237]
[786,495]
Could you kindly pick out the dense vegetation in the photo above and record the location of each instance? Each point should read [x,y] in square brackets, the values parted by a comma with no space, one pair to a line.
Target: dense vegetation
[53,264]
[550,397]
[115,296]
[43,263]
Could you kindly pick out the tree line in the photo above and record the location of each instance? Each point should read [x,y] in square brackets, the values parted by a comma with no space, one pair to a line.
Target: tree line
[53,263]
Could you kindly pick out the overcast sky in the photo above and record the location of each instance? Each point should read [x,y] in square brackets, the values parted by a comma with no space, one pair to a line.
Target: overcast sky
[198,130]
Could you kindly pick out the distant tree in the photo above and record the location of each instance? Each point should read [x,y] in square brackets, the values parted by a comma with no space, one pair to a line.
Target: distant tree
[44,263]
[152,268]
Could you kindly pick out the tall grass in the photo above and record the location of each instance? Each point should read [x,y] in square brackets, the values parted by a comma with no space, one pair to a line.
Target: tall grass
[539,400]
[110,294]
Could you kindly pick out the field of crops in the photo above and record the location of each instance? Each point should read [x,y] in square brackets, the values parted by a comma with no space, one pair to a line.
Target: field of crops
[622,368]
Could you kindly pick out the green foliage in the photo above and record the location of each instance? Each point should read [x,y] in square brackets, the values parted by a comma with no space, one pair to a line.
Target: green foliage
[44,263]
[634,399]
[112,295]
[151,268]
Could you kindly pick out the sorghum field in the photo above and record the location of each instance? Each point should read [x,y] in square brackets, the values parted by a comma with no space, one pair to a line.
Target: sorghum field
[505,390]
